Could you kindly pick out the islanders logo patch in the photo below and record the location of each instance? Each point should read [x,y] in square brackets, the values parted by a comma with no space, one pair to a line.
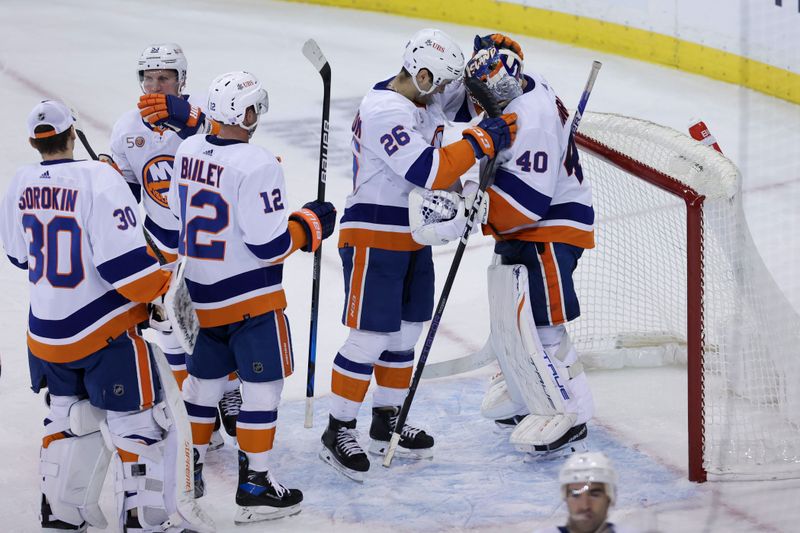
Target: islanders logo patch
[156,175]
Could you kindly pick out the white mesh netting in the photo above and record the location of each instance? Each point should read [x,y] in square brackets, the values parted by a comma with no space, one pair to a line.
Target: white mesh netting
[632,289]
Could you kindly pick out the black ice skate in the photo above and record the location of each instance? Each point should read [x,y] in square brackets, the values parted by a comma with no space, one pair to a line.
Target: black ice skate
[199,483]
[342,451]
[229,407]
[53,524]
[260,497]
[414,442]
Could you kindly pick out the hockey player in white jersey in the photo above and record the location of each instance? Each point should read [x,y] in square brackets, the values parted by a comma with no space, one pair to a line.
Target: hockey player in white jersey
[143,145]
[74,226]
[236,232]
[389,283]
[542,218]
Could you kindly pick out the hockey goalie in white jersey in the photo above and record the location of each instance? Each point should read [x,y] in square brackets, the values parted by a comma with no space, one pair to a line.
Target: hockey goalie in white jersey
[541,215]
[74,226]
[143,145]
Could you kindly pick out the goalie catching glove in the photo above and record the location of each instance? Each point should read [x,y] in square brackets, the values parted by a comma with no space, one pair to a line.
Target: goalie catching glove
[439,217]
[318,219]
[176,113]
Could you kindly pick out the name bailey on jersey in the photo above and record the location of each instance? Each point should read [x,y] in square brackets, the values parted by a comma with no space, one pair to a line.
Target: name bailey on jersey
[58,198]
[192,170]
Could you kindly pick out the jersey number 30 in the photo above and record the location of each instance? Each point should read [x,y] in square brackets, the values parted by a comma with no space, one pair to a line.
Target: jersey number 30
[44,250]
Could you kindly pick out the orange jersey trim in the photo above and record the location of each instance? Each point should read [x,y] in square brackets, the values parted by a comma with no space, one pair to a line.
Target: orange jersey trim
[385,240]
[94,341]
[147,288]
[260,305]
[167,256]
[454,160]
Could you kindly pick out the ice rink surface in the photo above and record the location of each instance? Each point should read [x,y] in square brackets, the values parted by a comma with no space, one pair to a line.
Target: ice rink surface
[85,53]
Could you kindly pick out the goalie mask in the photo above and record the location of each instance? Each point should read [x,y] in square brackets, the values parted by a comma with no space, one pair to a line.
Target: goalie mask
[500,70]
[167,56]
[590,467]
[435,51]
[231,94]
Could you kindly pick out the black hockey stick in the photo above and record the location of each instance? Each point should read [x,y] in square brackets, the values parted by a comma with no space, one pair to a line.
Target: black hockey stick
[85,143]
[481,92]
[313,53]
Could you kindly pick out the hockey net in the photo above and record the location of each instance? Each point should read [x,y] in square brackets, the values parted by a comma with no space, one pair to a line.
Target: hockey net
[676,278]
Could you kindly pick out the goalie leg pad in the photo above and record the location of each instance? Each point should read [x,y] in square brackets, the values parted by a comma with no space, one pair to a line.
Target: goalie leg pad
[557,344]
[73,468]
[531,377]
[143,465]
[497,402]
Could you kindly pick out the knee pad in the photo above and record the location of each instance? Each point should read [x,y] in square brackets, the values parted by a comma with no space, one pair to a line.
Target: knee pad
[364,346]
[73,468]
[406,338]
[207,392]
[261,396]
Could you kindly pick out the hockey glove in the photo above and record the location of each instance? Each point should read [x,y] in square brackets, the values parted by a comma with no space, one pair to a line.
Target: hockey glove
[173,112]
[498,40]
[105,158]
[492,135]
[318,220]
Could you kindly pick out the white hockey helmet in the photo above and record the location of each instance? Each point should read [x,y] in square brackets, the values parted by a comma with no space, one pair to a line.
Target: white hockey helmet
[231,94]
[589,467]
[166,56]
[435,51]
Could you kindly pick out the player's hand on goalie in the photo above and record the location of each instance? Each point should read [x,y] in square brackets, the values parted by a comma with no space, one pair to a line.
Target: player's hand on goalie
[492,135]
[174,112]
[439,217]
[318,219]
[498,40]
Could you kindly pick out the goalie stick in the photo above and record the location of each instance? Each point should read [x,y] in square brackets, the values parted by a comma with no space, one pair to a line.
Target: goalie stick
[484,97]
[313,53]
[188,510]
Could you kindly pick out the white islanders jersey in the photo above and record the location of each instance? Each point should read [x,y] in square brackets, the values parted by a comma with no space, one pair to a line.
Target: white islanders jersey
[230,197]
[396,147]
[74,226]
[146,155]
[539,193]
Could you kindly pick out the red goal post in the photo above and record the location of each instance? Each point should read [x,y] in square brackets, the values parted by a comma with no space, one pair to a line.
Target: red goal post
[676,277]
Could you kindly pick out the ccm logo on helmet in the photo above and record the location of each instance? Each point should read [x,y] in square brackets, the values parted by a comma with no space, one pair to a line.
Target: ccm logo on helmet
[245,84]
[156,176]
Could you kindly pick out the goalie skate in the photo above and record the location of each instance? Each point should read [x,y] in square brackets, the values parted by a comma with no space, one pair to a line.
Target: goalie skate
[574,440]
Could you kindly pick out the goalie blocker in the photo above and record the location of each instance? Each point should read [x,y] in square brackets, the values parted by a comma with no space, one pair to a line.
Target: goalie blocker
[542,378]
